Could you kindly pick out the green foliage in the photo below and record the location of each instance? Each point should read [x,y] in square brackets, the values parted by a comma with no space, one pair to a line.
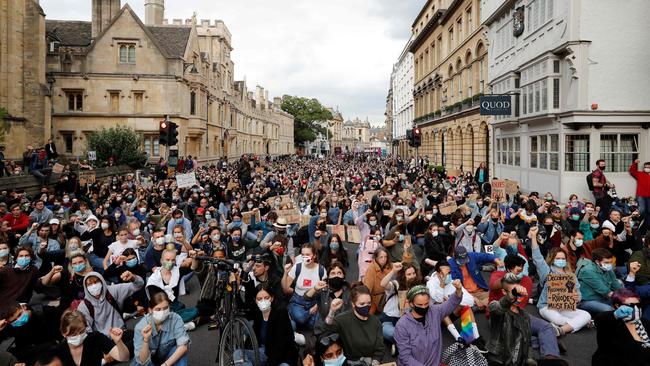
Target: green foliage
[122,143]
[306,112]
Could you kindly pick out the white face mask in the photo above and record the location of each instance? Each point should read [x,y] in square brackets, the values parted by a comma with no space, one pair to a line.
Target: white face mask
[215,237]
[77,340]
[306,259]
[264,305]
[95,289]
[160,316]
[104,226]
[178,235]
[136,232]
[143,209]
[647,170]
[160,241]
[429,216]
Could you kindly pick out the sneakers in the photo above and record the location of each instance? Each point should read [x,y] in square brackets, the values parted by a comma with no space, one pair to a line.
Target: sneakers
[479,343]
[299,339]
[189,326]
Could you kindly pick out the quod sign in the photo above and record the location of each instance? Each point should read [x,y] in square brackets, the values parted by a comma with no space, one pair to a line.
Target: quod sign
[496,105]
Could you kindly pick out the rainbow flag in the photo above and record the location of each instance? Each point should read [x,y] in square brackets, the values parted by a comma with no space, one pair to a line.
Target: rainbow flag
[466,325]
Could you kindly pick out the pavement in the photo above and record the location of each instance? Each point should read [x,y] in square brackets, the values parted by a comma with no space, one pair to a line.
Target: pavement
[580,346]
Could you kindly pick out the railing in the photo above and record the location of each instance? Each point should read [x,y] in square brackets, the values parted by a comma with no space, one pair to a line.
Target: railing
[452,109]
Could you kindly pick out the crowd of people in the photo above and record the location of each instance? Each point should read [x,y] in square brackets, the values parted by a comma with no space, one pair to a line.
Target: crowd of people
[78,262]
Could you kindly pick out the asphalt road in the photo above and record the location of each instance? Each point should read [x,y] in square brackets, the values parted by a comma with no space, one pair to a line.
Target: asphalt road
[203,348]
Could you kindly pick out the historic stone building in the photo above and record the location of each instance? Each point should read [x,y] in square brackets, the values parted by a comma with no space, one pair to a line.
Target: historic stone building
[117,70]
[24,92]
[450,61]
[402,100]
[356,136]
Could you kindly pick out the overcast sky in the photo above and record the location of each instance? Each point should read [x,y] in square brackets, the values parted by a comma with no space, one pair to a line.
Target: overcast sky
[339,51]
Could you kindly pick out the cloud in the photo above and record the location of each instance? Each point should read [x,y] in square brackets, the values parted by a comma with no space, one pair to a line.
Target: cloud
[339,51]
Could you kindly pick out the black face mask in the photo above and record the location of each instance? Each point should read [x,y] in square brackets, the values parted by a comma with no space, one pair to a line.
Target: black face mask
[548,228]
[336,283]
[421,311]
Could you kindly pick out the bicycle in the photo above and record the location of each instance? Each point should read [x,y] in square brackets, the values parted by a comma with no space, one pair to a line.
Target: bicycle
[234,333]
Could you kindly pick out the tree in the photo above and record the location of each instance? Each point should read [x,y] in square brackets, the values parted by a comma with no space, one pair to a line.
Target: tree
[122,143]
[306,112]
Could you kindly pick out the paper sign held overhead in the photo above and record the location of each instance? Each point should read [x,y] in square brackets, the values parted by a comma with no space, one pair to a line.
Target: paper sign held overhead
[498,190]
[185,180]
[447,208]
[561,291]
[86,177]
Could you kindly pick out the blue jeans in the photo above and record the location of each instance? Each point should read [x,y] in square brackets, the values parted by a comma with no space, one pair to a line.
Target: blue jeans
[388,327]
[644,210]
[595,307]
[299,313]
[182,361]
[246,357]
[96,262]
[546,337]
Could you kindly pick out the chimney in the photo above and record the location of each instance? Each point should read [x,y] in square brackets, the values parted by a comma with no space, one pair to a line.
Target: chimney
[154,12]
[103,12]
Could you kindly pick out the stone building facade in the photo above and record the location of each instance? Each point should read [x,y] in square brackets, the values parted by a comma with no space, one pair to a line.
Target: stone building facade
[450,62]
[24,89]
[356,136]
[118,70]
[402,100]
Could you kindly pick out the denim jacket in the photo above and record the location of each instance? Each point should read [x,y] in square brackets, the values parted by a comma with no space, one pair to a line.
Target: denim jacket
[171,334]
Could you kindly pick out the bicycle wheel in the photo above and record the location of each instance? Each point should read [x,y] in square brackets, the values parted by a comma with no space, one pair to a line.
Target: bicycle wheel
[238,336]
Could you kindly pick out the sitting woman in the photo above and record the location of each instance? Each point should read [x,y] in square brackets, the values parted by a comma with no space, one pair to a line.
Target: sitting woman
[273,331]
[70,281]
[129,261]
[397,282]
[168,278]
[361,332]
[160,338]
[328,352]
[510,244]
[622,336]
[326,291]
[378,269]
[335,252]
[565,321]
[82,348]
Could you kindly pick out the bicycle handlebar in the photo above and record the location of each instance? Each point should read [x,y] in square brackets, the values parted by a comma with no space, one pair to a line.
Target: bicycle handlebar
[227,263]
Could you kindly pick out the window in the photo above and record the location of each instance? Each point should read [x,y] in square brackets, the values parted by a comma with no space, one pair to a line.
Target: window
[459,27]
[115,102]
[192,103]
[553,153]
[75,100]
[480,75]
[137,102]
[576,157]
[539,12]
[533,151]
[67,139]
[556,93]
[468,16]
[544,152]
[508,151]
[151,145]
[543,148]
[127,53]
[619,150]
[470,80]
[450,40]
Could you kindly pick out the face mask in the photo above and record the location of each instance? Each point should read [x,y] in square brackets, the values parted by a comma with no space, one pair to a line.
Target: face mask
[160,241]
[23,262]
[578,243]
[334,245]
[339,361]
[104,226]
[79,267]
[160,316]
[336,283]
[606,267]
[520,275]
[372,222]
[143,209]
[435,211]
[24,318]
[179,221]
[132,262]
[178,236]
[235,238]
[279,250]
[323,215]
[73,247]
[168,265]
[421,311]
[401,237]
[447,279]
[559,263]
[215,237]
[469,228]
[4,253]
[264,305]
[306,259]
[595,226]
[429,216]
[647,170]
[77,340]
[362,310]
[434,233]
[66,200]
[575,217]
[250,205]
[399,218]
[95,289]
[136,232]
[117,215]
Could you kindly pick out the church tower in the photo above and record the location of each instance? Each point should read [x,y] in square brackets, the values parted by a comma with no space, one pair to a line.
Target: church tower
[154,12]
[103,12]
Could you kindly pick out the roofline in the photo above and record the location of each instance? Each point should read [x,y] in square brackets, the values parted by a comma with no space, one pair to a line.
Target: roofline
[422,11]
[450,10]
[431,25]
[499,11]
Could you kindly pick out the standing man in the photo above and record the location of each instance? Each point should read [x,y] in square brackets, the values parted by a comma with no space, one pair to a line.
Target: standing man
[244,171]
[50,150]
[642,192]
[601,186]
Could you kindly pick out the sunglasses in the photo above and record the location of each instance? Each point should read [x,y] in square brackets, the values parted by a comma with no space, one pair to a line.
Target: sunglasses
[332,338]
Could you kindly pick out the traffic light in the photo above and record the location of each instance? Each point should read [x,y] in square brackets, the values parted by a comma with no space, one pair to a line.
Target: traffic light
[163,133]
[417,137]
[409,137]
[172,138]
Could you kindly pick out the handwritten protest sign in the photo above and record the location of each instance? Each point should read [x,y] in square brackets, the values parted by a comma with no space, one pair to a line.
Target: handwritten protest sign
[57,168]
[354,235]
[304,220]
[185,180]
[259,170]
[447,208]
[368,195]
[561,293]
[292,215]
[499,190]
[454,172]
[247,216]
[405,195]
[284,200]
[337,229]
[232,185]
[512,187]
[86,177]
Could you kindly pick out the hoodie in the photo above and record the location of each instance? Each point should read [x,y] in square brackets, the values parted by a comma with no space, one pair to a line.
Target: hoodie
[106,317]
[187,227]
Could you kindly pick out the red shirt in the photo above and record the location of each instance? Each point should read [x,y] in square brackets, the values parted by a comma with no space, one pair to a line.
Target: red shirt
[599,176]
[496,295]
[642,181]
[19,224]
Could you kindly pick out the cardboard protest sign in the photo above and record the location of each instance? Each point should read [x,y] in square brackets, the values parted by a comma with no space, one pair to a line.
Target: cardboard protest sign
[259,170]
[447,208]
[354,235]
[561,291]
[368,195]
[185,180]
[292,215]
[489,248]
[304,220]
[232,185]
[405,195]
[86,177]
[57,168]
[499,190]
[454,172]
[512,187]
[247,216]
[337,229]
[284,200]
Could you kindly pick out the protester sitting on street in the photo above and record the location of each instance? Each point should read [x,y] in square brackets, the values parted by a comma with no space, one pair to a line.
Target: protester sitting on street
[396,283]
[597,281]
[466,267]
[622,334]
[6,258]
[18,281]
[70,279]
[328,352]
[335,287]
[160,338]
[31,327]
[418,333]
[378,269]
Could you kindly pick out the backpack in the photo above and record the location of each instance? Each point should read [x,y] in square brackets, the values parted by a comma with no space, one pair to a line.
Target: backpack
[321,273]
[91,309]
[590,181]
